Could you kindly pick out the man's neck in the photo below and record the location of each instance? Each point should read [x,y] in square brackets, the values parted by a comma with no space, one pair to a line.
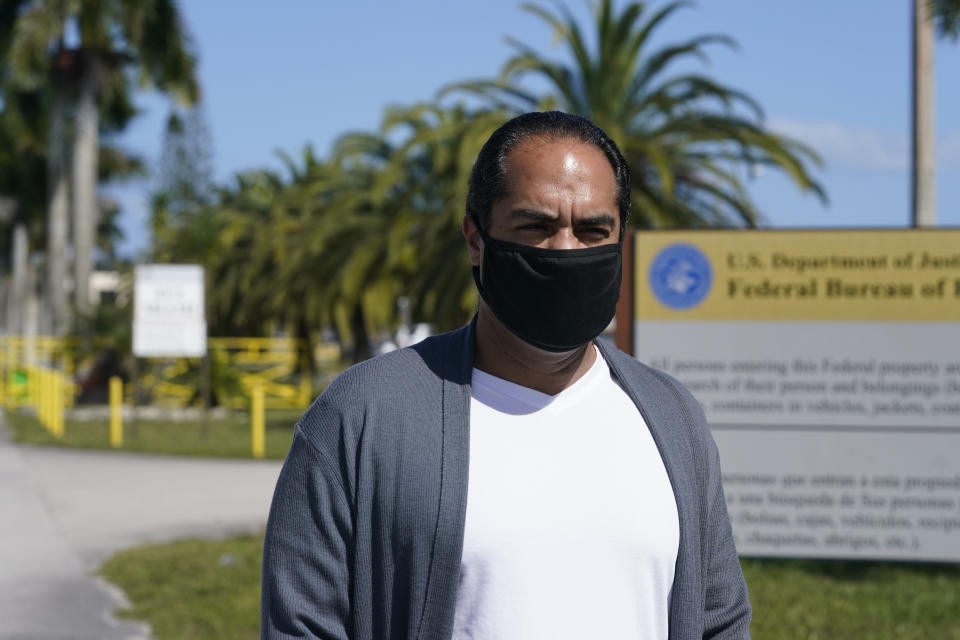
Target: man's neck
[503,354]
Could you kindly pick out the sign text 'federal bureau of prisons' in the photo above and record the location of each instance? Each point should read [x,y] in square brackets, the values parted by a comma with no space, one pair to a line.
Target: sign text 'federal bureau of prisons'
[828,364]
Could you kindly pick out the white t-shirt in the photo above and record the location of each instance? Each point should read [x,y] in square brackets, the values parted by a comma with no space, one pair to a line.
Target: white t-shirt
[571,527]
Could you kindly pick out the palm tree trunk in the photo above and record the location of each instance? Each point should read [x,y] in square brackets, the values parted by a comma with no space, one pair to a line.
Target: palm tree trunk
[85,214]
[58,211]
[923,162]
[16,313]
[306,361]
[362,349]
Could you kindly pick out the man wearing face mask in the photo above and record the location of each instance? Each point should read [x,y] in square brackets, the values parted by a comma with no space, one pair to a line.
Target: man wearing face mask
[515,478]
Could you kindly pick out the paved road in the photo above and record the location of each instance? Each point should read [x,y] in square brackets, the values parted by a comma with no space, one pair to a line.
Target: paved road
[64,511]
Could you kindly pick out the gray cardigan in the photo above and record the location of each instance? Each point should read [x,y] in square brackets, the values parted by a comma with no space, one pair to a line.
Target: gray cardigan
[366,527]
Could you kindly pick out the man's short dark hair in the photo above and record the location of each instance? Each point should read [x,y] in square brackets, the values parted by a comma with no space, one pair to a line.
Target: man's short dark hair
[488,177]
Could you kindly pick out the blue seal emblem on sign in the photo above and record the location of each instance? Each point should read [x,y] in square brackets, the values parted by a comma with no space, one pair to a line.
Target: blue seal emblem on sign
[680,276]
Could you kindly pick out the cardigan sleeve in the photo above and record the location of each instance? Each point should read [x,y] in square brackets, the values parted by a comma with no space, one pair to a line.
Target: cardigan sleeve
[727,611]
[307,548]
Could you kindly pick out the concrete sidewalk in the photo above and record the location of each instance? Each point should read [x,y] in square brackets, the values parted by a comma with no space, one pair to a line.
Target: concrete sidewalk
[64,511]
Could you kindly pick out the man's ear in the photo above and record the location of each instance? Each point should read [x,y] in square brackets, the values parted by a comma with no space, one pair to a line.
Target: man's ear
[474,241]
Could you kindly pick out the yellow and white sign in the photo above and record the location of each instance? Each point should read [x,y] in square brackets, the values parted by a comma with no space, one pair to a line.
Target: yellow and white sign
[860,276]
[828,364]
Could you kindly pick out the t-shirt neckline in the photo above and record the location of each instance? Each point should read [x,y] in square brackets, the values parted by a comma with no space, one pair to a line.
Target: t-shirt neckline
[490,385]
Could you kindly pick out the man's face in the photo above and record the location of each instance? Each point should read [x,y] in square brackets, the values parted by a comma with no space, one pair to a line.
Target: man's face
[561,194]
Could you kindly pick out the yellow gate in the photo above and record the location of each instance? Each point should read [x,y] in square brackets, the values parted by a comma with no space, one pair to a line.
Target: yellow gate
[22,358]
[236,367]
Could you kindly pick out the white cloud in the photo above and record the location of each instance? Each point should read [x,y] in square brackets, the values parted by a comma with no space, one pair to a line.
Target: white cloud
[842,145]
[857,147]
[948,151]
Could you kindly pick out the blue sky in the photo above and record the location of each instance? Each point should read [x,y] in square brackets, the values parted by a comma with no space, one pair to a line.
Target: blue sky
[834,74]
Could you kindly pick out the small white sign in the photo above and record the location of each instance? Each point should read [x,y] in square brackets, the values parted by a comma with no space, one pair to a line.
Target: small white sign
[168,311]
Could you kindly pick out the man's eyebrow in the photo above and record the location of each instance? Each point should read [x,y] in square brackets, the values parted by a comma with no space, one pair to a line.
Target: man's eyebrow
[535,215]
[532,215]
[599,219]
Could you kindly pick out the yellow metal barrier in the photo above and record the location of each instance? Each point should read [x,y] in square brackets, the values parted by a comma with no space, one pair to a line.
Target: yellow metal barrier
[21,354]
[257,422]
[43,397]
[116,412]
[45,393]
[3,377]
[38,395]
[56,403]
[270,363]
[236,366]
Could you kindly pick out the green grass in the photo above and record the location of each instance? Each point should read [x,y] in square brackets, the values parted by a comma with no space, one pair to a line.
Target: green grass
[192,589]
[186,590]
[227,437]
[821,600]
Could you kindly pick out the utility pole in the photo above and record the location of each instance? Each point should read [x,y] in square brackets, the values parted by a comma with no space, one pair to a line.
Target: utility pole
[923,178]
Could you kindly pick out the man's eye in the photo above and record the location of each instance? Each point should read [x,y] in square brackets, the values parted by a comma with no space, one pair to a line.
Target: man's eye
[599,232]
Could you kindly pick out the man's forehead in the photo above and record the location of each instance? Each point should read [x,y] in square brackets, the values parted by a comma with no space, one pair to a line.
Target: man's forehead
[553,146]
[553,157]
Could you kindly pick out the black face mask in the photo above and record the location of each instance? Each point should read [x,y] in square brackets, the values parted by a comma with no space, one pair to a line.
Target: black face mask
[555,299]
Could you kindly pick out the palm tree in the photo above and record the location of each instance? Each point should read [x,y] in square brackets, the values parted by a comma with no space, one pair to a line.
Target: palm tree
[392,226]
[231,239]
[347,248]
[31,159]
[22,171]
[275,252]
[114,35]
[945,16]
[438,148]
[336,242]
[689,140]
[21,179]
